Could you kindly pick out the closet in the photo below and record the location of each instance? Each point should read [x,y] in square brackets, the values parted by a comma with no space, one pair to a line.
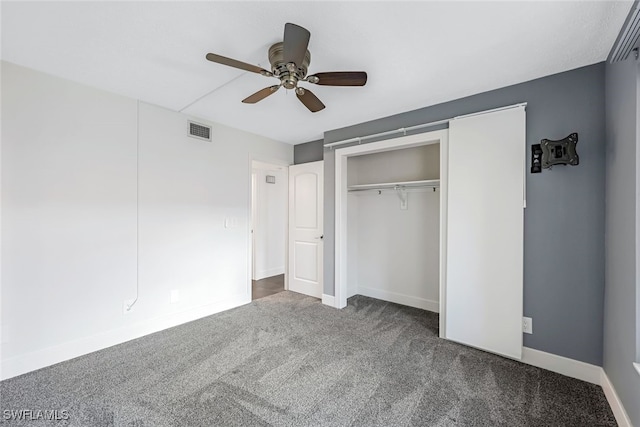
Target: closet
[393,245]
[457,250]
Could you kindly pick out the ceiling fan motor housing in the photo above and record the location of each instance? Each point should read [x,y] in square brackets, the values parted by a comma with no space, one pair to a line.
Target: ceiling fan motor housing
[288,76]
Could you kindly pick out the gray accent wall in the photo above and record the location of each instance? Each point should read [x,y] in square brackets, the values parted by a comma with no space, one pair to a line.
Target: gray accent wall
[564,219]
[308,152]
[621,304]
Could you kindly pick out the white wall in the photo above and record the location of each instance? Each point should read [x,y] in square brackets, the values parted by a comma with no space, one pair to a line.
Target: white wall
[270,222]
[69,210]
[88,209]
[398,251]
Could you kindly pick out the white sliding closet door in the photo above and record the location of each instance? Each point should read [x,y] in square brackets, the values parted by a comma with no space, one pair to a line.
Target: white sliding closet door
[484,267]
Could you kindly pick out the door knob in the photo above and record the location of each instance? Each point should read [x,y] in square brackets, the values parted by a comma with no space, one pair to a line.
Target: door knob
[320,238]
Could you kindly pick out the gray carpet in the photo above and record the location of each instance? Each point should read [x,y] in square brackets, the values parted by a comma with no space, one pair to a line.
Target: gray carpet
[287,360]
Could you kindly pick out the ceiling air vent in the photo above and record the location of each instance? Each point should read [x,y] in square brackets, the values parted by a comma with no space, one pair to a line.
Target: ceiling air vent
[628,39]
[196,130]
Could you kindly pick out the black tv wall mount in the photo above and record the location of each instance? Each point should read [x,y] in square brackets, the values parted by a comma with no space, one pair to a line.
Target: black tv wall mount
[554,152]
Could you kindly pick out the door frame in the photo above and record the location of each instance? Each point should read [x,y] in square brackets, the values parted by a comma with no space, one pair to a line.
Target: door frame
[285,167]
[341,156]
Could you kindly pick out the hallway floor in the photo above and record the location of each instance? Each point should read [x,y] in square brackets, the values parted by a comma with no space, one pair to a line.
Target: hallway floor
[267,286]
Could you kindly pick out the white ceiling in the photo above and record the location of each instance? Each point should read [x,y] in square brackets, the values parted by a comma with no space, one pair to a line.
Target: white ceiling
[415,53]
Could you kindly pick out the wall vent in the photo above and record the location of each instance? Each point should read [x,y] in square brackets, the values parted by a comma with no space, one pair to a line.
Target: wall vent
[196,130]
[628,39]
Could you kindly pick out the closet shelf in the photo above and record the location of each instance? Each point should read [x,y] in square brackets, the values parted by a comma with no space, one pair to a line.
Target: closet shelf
[402,184]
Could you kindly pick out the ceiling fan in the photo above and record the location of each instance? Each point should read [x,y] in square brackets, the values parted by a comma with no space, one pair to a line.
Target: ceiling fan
[289,63]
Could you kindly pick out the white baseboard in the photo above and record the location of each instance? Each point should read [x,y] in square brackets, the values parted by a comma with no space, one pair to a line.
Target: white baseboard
[582,371]
[263,274]
[351,293]
[403,299]
[614,401]
[562,365]
[329,300]
[49,356]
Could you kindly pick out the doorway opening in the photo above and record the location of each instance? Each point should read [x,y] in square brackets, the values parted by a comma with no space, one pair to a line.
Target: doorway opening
[269,195]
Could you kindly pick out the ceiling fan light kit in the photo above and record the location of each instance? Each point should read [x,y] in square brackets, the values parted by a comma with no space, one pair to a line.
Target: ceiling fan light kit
[290,61]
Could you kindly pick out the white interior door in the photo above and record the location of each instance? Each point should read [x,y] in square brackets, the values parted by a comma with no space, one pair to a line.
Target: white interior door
[305,228]
[485,227]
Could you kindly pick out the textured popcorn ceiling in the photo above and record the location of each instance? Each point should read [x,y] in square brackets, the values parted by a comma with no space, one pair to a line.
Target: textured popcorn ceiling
[416,53]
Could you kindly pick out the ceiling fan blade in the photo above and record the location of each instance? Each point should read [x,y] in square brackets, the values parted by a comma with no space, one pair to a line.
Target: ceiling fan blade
[236,64]
[309,100]
[296,40]
[339,78]
[261,94]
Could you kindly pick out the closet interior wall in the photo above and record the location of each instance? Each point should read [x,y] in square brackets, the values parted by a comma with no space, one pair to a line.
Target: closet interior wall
[393,253]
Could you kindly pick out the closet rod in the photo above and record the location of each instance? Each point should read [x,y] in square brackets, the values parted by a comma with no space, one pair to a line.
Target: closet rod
[416,127]
[397,187]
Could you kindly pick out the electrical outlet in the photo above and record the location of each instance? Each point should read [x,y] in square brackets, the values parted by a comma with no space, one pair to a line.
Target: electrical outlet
[175,296]
[127,306]
[527,325]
